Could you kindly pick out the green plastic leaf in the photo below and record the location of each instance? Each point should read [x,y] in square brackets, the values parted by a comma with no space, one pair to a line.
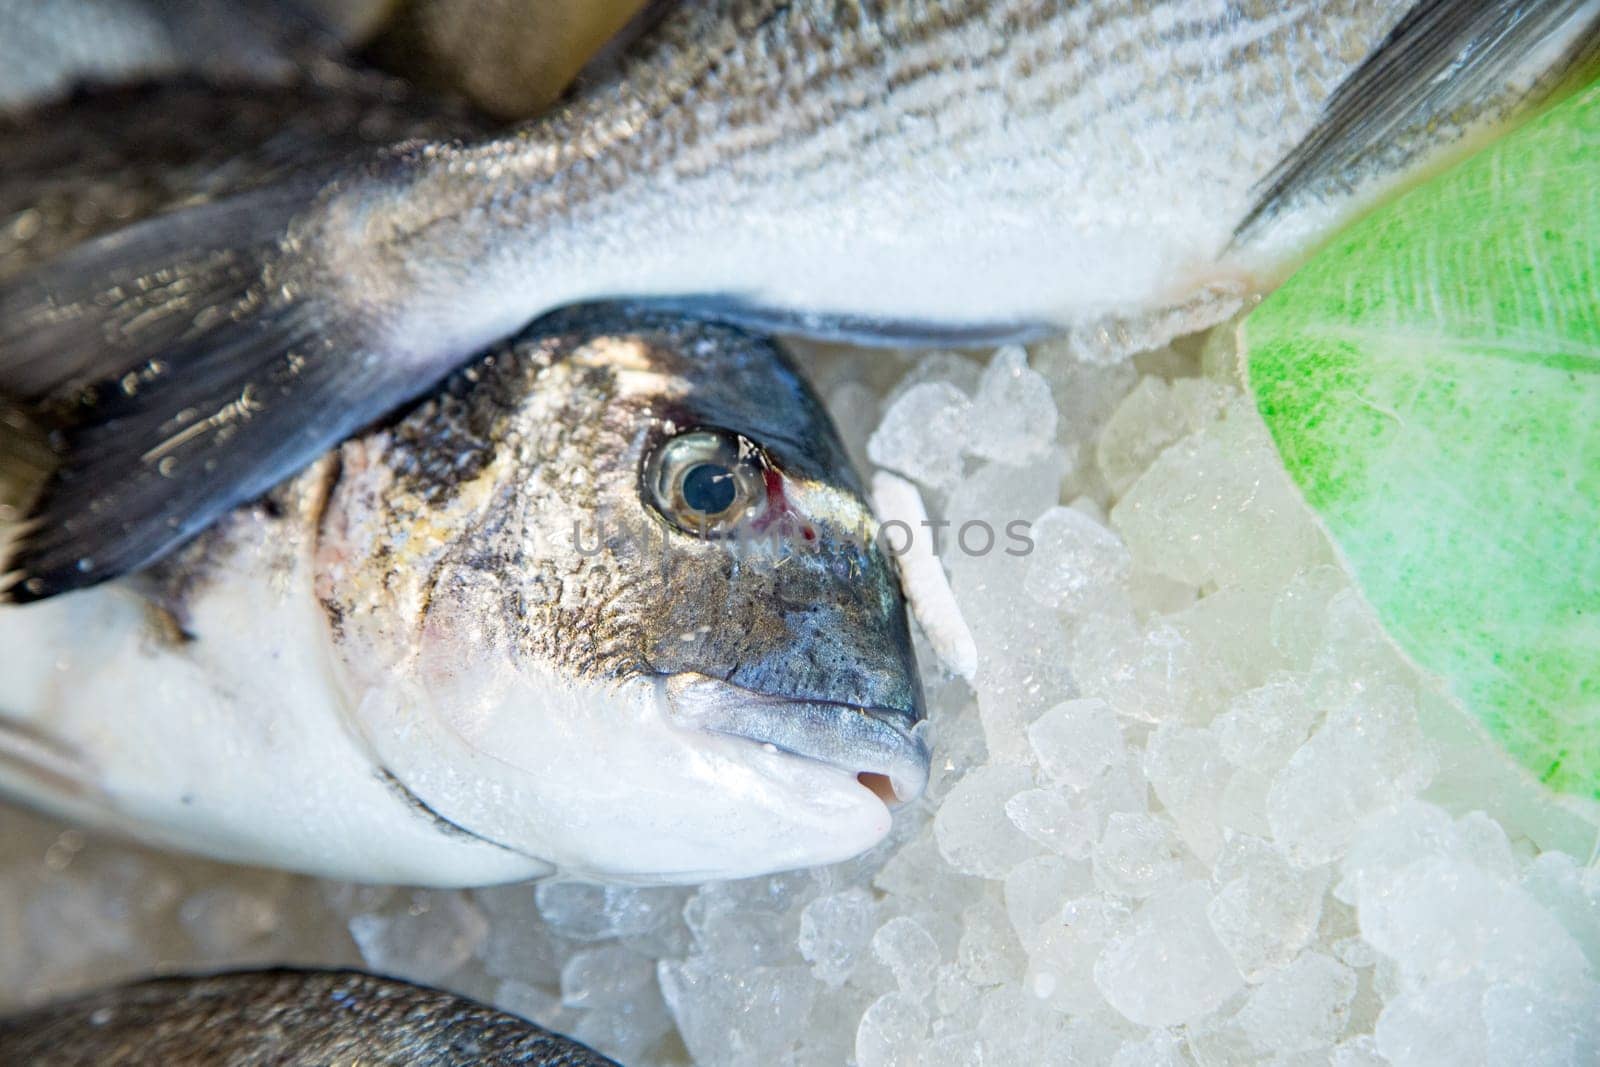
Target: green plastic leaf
[1432,382]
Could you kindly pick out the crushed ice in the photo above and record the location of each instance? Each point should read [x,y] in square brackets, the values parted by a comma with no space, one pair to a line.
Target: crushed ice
[1191,809]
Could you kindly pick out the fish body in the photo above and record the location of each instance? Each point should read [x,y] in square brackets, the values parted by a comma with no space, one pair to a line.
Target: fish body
[260,1018]
[517,630]
[887,171]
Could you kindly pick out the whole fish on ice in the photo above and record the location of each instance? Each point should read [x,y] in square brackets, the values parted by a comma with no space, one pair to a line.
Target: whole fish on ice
[893,170]
[610,603]
[277,1017]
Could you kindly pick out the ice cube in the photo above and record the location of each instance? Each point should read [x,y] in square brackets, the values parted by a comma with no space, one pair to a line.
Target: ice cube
[1395,838]
[628,1031]
[1158,1049]
[855,409]
[590,912]
[1076,741]
[988,953]
[1013,416]
[738,1014]
[1063,952]
[1357,1052]
[748,923]
[905,947]
[1085,393]
[1441,919]
[1368,754]
[891,1033]
[520,945]
[1299,620]
[1016,1027]
[1204,508]
[923,435]
[1266,910]
[597,977]
[1572,895]
[1439,1025]
[1036,889]
[951,368]
[1265,725]
[1168,967]
[1139,856]
[1303,1005]
[1536,1025]
[1055,822]
[975,835]
[436,933]
[833,931]
[1186,769]
[1152,416]
[1077,564]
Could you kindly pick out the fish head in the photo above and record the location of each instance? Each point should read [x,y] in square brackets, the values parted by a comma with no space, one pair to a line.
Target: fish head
[614,599]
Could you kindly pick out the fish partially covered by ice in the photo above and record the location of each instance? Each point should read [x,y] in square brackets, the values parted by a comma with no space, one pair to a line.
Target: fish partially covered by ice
[611,603]
[887,171]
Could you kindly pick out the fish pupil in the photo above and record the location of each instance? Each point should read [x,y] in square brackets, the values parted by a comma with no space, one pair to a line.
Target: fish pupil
[709,488]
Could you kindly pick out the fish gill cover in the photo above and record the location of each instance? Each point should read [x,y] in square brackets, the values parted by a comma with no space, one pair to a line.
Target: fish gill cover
[1432,381]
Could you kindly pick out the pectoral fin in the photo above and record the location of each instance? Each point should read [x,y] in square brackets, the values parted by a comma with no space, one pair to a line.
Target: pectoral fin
[175,369]
[1442,57]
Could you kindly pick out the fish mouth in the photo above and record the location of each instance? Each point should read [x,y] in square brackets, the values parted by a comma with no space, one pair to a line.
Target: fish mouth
[886,749]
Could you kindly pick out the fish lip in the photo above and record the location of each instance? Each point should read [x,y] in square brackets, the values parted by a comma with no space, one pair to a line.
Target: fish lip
[859,740]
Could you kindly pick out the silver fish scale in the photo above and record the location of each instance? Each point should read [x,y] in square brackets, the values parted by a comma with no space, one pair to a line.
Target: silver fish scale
[750,126]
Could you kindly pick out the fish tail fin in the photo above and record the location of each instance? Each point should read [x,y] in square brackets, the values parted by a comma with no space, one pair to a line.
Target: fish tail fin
[1442,56]
[172,369]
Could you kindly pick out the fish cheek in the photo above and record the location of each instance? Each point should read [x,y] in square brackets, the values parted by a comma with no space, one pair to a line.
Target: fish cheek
[710,612]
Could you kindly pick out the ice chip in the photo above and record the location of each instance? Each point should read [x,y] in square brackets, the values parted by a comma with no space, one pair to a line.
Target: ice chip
[1152,416]
[590,912]
[1266,910]
[1159,1049]
[1076,741]
[891,1033]
[988,952]
[1264,726]
[1055,822]
[1440,1025]
[923,435]
[1368,754]
[975,835]
[1530,1025]
[1301,1006]
[833,931]
[1077,564]
[436,933]
[1168,967]
[950,368]
[1441,919]
[738,1015]
[1207,505]
[609,975]
[1572,894]
[1138,856]
[1013,416]
[1186,770]
[905,947]
[1035,891]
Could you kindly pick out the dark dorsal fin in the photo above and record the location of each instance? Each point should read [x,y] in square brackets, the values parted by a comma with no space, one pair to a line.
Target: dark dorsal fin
[1442,55]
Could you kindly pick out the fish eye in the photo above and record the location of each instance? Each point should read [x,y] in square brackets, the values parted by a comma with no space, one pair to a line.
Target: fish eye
[706,480]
